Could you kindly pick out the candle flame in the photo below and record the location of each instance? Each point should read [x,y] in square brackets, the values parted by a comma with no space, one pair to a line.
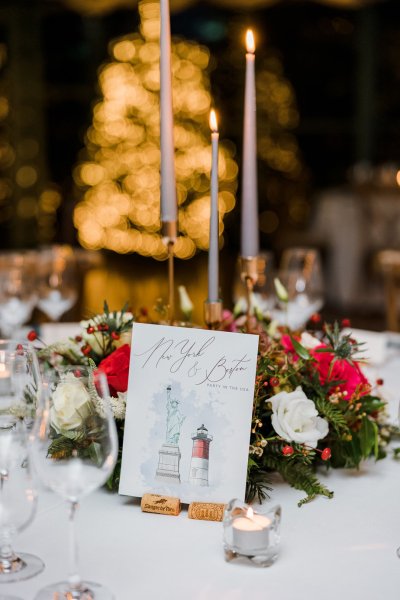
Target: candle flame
[250,44]
[213,121]
[250,513]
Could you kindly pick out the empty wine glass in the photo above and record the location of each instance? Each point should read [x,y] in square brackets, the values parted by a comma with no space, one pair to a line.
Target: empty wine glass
[57,281]
[18,502]
[301,274]
[19,386]
[17,290]
[74,450]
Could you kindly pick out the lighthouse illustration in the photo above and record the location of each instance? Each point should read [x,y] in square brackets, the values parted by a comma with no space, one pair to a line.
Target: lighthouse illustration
[200,453]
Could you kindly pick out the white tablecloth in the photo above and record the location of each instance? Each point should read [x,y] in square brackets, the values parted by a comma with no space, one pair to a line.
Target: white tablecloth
[344,548]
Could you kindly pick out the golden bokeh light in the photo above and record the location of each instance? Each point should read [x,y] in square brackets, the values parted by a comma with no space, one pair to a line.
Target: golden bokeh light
[119,179]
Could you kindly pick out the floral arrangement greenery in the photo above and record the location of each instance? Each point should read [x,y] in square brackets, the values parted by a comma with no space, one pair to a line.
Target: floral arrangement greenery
[313,405]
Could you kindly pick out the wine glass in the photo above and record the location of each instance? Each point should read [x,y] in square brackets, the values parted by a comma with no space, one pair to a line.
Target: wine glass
[74,450]
[300,273]
[17,290]
[57,281]
[18,503]
[19,386]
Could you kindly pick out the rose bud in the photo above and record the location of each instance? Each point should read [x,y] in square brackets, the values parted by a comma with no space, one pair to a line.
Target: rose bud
[32,335]
[86,350]
[115,335]
[274,381]
[90,329]
[287,450]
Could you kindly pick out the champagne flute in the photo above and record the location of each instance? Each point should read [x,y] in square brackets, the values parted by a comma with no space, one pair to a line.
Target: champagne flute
[74,450]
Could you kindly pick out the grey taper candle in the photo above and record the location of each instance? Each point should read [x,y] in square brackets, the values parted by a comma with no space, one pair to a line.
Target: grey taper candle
[249,224]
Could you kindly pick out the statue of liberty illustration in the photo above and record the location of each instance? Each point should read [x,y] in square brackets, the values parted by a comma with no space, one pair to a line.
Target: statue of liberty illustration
[169,453]
[174,419]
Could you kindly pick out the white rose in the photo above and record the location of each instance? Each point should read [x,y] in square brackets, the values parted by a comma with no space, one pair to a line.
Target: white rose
[296,419]
[69,400]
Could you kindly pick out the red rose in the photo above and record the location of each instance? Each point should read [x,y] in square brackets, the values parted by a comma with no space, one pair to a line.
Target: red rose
[116,368]
[341,370]
[288,347]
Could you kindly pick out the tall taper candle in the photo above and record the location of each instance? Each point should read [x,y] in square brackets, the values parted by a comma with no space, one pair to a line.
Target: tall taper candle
[249,224]
[213,258]
[168,186]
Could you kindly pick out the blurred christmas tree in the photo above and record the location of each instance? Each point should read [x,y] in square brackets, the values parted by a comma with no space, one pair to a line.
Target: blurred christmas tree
[119,172]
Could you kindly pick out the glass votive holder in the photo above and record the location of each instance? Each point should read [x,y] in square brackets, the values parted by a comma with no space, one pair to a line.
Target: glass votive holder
[250,535]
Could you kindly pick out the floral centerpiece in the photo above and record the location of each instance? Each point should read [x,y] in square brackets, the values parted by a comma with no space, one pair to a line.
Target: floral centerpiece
[313,405]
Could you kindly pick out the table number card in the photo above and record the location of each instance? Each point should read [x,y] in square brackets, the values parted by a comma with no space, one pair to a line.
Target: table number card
[188,417]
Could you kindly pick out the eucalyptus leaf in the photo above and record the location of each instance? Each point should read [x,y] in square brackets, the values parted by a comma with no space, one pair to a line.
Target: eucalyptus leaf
[300,350]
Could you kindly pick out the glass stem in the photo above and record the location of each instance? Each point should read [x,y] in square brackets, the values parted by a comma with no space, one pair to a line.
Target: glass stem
[74,579]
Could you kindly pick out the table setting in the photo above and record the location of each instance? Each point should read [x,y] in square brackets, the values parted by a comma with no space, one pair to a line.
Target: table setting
[253,454]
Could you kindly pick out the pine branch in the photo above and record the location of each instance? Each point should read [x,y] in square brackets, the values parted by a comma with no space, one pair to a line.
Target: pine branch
[257,485]
[333,414]
[300,476]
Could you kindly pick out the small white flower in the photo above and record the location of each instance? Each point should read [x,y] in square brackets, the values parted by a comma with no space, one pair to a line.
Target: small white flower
[281,291]
[117,405]
[295,418]
[309,341]
[185,302]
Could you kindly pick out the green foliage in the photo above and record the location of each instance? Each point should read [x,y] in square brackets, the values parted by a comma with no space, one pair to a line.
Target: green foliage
[333,414]
[299,475]
[257,487]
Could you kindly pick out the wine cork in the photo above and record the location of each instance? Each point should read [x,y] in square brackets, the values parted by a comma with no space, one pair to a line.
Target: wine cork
[163,505]
[206,511]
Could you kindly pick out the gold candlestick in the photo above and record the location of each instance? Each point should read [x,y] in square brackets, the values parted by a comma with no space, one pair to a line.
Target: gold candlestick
[169,231]
[249,276]
[213,314]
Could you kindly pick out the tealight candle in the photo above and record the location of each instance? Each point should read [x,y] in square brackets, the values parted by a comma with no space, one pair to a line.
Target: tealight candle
[251,532]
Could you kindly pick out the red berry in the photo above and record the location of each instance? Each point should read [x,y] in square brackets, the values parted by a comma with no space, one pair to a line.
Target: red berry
[90,329]
[86,350]
[78,338]
[315,318]
[274,381]
[144,312]
[115,335]
[32,336]
[287,450]
[102,327]
[265,383]
[326,454]
[346,323]
[20,349]
[379,381]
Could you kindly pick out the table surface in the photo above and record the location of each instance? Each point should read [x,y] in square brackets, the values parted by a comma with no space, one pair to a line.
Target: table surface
[339,548]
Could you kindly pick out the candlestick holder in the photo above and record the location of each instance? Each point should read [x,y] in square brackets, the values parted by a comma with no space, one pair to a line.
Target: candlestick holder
[213,314]
[169,231]
[251,536]
[249,276]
